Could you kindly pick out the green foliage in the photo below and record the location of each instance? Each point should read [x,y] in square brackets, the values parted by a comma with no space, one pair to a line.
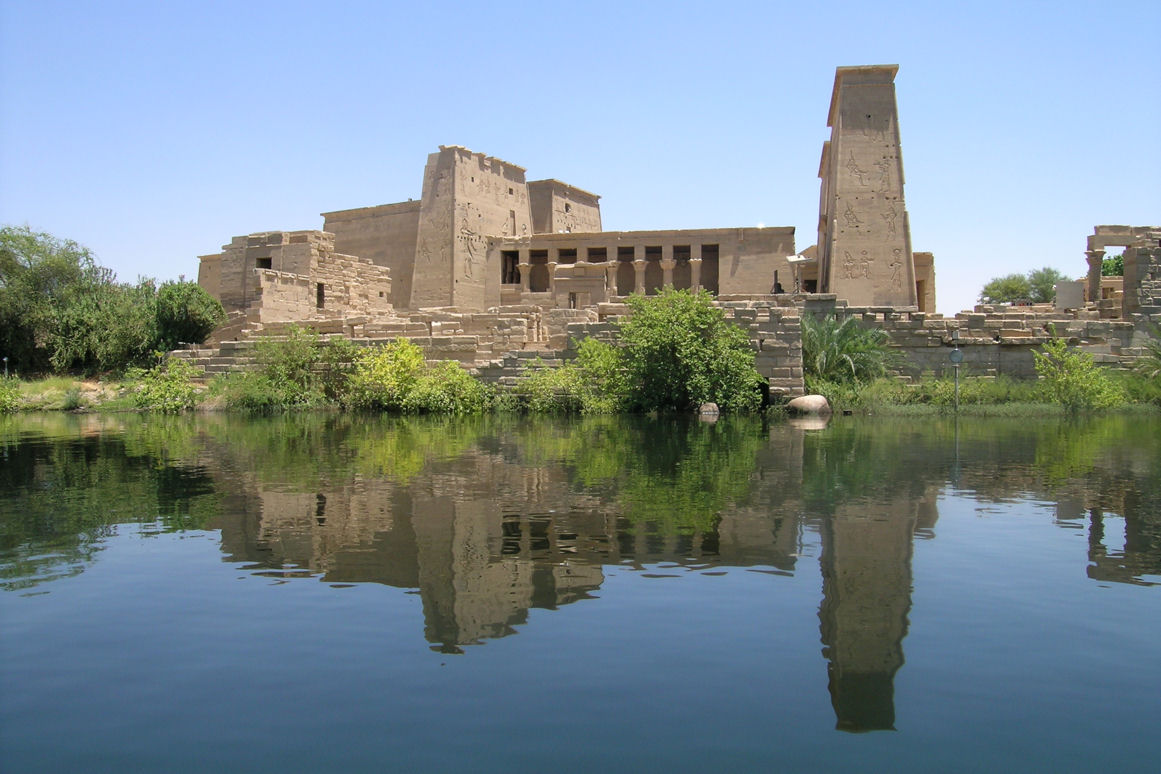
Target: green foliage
[385,376]
[593,383]
[446,388]
[887,394]
[1043,284]
[680,351]
[72,399]
[60,311]
[844,352]
[286,377]
[1113,266]
[551,390]
[1149,364]
[396,378]
[1006,289]
[10,399]
[1071,378]
[1037,286]
[186,314]
[168,388]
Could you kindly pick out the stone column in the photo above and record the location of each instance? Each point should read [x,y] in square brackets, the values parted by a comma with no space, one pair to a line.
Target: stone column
[525,266]
[611,276]
[667,264]
[1095,259]
[695,274]
[638,269]
[552,276]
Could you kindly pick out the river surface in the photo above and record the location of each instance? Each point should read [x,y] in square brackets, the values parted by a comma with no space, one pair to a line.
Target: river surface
[363,594]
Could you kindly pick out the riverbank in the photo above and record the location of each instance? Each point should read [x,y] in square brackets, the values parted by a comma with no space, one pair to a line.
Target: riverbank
[978,396]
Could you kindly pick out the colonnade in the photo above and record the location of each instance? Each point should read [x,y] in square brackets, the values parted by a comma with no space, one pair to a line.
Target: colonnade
[638,259]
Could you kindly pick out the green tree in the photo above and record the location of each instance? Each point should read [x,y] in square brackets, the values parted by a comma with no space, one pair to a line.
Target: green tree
[46,286]
[1006,289]
[1037,286]
[1042,283]
[680,351]
[1113,266]
[186,314]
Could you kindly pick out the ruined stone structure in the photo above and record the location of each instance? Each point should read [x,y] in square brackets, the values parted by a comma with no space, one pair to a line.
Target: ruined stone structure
[491,270]
[296,275]
[1140,288]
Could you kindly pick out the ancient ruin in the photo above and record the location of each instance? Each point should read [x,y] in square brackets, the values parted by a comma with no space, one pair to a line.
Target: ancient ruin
[491,269]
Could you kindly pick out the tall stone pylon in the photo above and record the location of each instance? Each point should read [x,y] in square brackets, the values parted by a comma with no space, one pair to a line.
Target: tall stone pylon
[863,234]
[467,197]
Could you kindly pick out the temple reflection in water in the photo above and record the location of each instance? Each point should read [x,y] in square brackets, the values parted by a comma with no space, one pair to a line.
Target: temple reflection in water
[487,536]
[489,521]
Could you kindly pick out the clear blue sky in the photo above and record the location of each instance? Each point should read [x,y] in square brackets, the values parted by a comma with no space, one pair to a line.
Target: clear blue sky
[153,132]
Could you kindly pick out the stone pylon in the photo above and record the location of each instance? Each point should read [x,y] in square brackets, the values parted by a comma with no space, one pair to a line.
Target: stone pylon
[864,238]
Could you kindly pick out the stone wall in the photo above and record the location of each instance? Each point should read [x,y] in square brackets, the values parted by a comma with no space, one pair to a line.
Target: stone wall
[296,275]
[385,235]
[995,340]
[562,208]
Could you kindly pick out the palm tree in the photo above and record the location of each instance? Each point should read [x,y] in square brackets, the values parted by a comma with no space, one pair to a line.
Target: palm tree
[844,351]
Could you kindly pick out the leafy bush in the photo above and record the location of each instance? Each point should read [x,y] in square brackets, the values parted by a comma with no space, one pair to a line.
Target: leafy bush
[446,388]
[9,395]
[385,376]
[593,383]
[844,351]
[73,399]
[1072,379]
[680,351]
[290,375]
[186,314]
[168,388]
[396,378]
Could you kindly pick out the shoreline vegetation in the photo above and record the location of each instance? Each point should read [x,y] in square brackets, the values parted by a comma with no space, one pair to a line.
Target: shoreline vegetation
[62,314]
[680,354]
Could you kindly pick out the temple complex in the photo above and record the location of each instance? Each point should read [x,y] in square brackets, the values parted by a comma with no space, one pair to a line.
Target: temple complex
[489,268]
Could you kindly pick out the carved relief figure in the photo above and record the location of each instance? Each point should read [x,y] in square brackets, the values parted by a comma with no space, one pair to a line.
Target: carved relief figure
[884,180]
[890,217]
[865,263]
[856,172]
[897,268]
[851,217]
[848,265]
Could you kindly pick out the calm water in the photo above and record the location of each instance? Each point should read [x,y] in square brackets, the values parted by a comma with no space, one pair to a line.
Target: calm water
[302,594]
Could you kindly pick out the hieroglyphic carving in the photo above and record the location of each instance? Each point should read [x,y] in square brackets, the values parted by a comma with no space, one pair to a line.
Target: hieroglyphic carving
[897,268]
[884,179]
[865,263]
[890,217]
[848,265]
[851,217]
[856,171]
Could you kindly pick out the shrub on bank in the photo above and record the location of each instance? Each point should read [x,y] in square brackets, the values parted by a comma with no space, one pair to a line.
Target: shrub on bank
[680,351]
[593,383]
[1072,378]
[168,387]
[396,378]
[9,395]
